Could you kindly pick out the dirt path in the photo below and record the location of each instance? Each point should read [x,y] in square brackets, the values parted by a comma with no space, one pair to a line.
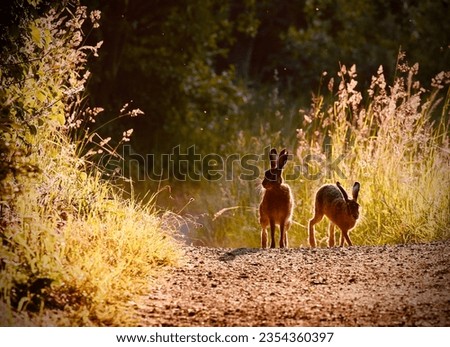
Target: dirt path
[355,286]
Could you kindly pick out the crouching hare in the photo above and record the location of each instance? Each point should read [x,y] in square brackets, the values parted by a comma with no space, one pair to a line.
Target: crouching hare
[277,203]
[333,202]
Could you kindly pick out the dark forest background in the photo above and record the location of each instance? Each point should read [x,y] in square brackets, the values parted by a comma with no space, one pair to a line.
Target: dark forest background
[202,70]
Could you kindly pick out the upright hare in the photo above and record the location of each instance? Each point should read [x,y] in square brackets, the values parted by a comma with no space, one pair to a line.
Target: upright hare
[333,202]
[277,203]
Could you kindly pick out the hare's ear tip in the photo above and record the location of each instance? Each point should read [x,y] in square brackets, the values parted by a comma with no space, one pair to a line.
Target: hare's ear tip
[338,183]
[357,184]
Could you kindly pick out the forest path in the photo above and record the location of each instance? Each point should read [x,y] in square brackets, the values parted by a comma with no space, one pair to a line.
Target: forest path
[403,285]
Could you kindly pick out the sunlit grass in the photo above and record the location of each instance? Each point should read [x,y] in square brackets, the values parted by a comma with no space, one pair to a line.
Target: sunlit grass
[393,140]
[98,251]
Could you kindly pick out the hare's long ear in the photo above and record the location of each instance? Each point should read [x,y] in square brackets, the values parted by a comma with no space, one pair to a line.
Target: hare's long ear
[344,193]
[273,158]
[355,190]
[282,159]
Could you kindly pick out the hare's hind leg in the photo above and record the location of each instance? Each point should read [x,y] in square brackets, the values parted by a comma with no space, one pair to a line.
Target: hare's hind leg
[264,238]
[316,219]
[331,235]
[284,234]
[264,223]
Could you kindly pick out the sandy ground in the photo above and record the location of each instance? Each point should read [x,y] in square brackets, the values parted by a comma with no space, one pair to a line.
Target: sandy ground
[405,285]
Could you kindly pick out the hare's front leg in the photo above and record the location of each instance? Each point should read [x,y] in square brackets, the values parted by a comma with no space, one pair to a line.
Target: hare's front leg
[331,235]
[272,234]
[344,236]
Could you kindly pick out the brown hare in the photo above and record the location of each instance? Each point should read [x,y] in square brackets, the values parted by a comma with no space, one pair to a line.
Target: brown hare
[333,202]
[277,203]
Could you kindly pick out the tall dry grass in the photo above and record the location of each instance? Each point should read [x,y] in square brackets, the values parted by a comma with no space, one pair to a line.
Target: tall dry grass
[75,244]
[395,142]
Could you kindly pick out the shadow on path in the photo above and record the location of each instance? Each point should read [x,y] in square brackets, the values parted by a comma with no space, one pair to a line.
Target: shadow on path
[231,255]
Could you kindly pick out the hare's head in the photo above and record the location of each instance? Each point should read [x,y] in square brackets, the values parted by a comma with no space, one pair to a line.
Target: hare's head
[273,176]
[352,205]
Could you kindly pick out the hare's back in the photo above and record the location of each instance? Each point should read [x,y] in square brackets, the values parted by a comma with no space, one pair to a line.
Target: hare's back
[328,194]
